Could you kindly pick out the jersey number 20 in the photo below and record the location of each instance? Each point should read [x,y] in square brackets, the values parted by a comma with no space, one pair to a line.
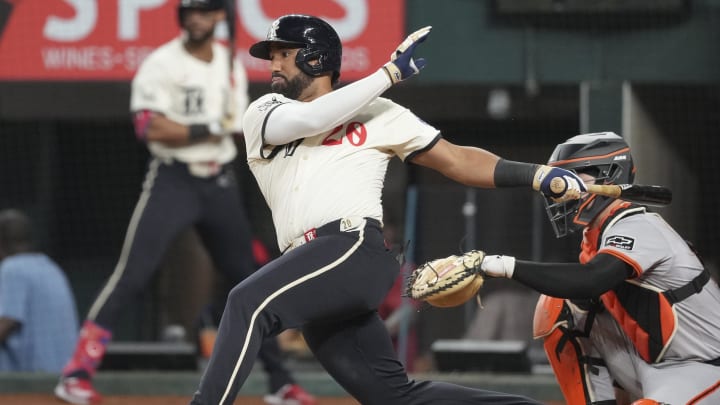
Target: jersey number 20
[355,132]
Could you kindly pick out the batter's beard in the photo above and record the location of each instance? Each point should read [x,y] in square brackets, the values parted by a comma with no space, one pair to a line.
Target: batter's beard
[294,87]
[199,39]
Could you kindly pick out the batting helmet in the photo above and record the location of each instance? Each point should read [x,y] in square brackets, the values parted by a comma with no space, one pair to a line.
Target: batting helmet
[603,155]
[209,5]
[318,41]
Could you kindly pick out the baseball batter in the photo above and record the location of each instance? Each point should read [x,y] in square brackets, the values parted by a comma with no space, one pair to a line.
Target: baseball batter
[640,312]
[186,110]
[320,157]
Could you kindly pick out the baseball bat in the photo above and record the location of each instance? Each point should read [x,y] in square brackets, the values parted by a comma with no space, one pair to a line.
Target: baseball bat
[231,44]
[232,33]
[637,193]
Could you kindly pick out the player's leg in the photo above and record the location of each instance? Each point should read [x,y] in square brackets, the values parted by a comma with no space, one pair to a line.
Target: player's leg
[164,208]
[578,365]
[689,382]
[225,231]
[669,382]
[358,353]
[621,360]
[224,227]
[321,280]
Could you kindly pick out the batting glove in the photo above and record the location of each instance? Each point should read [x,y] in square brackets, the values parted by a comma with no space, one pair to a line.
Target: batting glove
[558,184]
[222,127]
[498,266]
[402,65]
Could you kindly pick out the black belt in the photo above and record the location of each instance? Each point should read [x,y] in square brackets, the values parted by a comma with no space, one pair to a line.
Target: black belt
[338,226]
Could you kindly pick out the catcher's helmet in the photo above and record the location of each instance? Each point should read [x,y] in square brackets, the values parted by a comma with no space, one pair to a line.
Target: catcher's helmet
[603,155]
[317,38]
[198,5]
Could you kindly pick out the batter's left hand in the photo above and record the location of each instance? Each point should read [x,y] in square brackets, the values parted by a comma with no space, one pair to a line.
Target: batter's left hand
[558,184]
[402,64]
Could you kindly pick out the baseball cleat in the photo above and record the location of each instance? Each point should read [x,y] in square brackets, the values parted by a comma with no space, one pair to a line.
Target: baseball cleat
[78,391]
[290,394]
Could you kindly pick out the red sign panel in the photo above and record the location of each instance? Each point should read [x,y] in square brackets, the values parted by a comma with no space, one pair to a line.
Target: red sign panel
[107,39]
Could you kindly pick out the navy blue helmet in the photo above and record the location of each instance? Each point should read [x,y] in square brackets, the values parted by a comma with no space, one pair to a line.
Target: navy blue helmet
[316,38]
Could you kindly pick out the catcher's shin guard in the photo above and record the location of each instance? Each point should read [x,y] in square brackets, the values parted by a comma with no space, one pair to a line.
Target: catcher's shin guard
[551,323]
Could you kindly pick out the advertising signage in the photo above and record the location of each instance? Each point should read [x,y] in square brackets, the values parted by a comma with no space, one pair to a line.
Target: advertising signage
[90,40]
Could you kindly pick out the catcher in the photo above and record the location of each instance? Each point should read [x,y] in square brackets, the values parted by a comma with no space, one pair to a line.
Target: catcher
[636,320]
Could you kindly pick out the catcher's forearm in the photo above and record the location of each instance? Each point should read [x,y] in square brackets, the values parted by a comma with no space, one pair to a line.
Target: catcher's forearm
[571,280]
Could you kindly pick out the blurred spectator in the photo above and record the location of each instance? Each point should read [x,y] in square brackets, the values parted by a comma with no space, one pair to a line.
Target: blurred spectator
[38,316]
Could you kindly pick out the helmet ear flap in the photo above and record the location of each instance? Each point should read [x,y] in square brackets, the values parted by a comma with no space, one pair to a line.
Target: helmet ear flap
[317,39]
[305,56]
[615,174]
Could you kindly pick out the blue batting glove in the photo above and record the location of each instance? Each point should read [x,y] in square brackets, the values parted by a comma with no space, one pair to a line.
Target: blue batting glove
[402,64]
[558,184]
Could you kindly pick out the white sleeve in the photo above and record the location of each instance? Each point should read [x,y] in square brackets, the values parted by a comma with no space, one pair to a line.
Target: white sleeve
[293,121]
[150,88]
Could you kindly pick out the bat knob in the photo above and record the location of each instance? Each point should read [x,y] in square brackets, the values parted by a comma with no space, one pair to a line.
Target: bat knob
[557,185]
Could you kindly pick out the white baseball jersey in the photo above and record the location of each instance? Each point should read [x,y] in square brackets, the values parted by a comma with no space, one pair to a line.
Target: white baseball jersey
[334,174]
[188,90]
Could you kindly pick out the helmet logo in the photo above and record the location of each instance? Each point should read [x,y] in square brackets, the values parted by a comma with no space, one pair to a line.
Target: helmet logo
[272,31]
[620,157]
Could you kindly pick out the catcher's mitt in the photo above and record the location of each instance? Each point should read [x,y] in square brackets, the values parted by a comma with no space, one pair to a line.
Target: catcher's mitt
[447,282]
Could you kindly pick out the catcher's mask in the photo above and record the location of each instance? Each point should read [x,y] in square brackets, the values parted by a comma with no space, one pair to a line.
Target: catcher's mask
[318,41]
[209,5]
[603,155]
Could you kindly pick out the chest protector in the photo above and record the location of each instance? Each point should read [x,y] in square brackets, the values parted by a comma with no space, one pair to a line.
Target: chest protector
[646,314]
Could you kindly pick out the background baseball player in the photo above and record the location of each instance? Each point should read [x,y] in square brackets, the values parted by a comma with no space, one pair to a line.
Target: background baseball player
[640,310]
[180,98]
[320,158]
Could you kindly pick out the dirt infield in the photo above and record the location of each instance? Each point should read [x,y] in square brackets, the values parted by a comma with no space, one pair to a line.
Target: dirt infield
[42,399]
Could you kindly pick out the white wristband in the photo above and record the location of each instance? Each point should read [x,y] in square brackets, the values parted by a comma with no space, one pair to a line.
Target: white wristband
[498,266]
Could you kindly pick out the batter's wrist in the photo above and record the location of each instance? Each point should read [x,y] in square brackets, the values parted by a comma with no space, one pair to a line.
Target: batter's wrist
[198,132]
[509,173]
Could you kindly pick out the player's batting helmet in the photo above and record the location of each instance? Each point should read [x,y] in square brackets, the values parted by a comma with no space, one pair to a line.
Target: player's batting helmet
[318,41]
[603,155]
[210,5]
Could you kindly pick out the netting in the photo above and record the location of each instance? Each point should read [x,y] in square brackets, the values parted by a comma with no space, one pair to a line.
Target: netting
[510,83]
